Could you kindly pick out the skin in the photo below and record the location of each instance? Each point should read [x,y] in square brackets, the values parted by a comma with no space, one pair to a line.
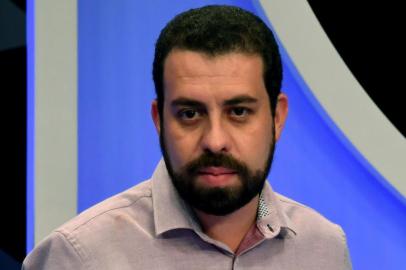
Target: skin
[230,113]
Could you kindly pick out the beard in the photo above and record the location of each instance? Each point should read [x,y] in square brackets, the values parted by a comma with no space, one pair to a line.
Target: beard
[218,201]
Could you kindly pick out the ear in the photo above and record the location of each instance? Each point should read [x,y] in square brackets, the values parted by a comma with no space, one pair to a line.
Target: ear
[281,112]
[155,115]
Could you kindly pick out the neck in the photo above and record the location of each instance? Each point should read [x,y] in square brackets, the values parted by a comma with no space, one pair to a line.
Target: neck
[232,228]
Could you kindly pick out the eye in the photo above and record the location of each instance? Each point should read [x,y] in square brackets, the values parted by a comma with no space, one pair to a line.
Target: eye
[239,112]
[188,114]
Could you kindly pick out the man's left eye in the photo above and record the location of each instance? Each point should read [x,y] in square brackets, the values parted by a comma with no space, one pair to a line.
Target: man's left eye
[239,111]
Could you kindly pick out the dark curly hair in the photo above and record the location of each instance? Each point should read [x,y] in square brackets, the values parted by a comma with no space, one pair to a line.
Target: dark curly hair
[217,30]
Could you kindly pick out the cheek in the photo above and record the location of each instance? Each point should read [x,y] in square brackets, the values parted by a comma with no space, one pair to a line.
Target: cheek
[254,144]
[180,145]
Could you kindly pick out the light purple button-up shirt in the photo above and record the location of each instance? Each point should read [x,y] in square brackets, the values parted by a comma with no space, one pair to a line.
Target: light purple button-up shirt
[150,227]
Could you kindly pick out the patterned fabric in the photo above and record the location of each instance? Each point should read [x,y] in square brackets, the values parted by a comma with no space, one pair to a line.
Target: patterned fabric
[263,210]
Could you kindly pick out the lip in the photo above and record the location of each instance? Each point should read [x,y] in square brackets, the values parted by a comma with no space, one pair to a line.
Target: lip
[216,171]
[217,176]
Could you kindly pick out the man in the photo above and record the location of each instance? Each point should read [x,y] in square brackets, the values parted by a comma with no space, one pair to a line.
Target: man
[218,112]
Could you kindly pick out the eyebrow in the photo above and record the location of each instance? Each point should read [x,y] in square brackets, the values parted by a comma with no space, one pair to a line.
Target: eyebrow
[182,101]
[240,99]
[186,102]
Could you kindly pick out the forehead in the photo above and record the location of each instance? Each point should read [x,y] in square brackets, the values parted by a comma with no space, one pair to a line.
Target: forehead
[194,73]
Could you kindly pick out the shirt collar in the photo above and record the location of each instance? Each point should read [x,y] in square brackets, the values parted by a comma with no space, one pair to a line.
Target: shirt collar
[271,219]
[171,212]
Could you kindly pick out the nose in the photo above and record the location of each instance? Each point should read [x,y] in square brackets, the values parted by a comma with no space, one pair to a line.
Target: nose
[216,138]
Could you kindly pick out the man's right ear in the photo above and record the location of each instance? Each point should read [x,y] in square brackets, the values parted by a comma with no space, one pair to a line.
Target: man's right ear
[155,115]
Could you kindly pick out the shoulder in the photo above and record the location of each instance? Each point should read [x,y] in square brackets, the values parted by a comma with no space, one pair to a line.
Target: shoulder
[304,218]
[302,215]
[124,203]
[72,245]
[318,240]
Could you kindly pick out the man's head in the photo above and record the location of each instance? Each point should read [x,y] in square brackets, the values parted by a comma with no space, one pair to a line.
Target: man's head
[219,110]
[217,30]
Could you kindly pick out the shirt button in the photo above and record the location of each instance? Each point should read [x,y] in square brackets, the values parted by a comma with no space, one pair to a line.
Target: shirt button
[270,227]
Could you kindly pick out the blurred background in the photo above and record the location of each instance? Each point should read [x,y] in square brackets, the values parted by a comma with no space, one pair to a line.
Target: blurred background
[77,85]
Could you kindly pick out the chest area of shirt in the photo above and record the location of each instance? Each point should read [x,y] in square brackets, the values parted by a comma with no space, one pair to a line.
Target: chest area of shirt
[186,250]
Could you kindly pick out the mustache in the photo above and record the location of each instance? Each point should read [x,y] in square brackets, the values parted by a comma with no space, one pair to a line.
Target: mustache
[209,159]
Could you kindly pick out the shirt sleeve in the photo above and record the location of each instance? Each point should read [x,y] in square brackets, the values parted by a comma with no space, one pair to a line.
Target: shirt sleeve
[54,253]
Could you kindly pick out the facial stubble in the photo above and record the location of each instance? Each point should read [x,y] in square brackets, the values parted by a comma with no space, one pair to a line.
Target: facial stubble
[219,201]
